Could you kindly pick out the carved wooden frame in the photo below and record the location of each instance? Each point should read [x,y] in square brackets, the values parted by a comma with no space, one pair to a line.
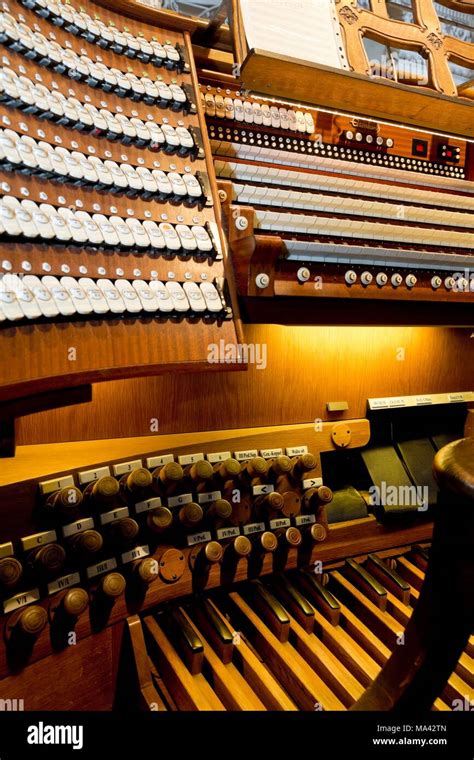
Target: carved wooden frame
[425,37]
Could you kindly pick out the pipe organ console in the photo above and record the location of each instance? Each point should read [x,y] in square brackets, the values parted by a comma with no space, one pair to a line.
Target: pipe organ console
[296,536]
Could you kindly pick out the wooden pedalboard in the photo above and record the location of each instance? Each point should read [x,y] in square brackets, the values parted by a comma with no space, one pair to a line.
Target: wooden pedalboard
[21,517]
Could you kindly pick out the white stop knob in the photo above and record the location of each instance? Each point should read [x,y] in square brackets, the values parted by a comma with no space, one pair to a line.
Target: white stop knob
[436,282]
[303,274]
[449,283]
[397,280]
[381,279]
[351,277]
[262,280]
[366,278]
[411,281]
[241,223]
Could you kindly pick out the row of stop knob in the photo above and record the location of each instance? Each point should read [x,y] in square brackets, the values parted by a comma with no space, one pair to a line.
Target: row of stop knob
[172,478]
[64,608]
[74,602]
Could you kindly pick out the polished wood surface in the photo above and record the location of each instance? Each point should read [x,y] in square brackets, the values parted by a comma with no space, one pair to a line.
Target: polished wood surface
[434,107]
[318,364]
[442,622]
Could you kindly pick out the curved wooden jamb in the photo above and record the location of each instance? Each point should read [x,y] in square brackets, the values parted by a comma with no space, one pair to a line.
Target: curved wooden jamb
[443,618]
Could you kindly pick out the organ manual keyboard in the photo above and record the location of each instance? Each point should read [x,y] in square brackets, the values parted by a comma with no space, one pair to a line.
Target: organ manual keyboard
[328,206]
[260,569]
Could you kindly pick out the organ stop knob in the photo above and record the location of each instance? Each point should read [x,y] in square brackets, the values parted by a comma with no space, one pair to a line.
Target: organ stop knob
[146,569]
[75,602]
[199,471]
[49,558]
[281,465]
[124,530]
[11,571]
[65,501]
[168,475]
[87,542]
[220,509]
[112,585]
[191,515]
[289,537]
[136,481]
[103,490]
[267,542]
[33,620]
[227,470]
[160,519]
[303,464]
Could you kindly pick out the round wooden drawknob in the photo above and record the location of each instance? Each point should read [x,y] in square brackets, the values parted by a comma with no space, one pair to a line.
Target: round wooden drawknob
[268,541]
[138,479]
[125,529]
[191,515]
[33,620]
[201,470]
[75,601]
[105,489]
[292,536]
[169,473]
[281,465]
[50,557]
[11,571]
[318,532]
[305,463]
[221,509]
[113,585]
[228,469]
[274,501]
[88,542]
[147,570]
[316,496]
[257,467]
[325,495]
[66,501]
[213,552]
[159,519]
[242,546]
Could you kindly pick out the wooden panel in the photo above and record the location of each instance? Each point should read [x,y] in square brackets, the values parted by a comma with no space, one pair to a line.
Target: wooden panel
[83,676]
[318,364]
[285,78]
